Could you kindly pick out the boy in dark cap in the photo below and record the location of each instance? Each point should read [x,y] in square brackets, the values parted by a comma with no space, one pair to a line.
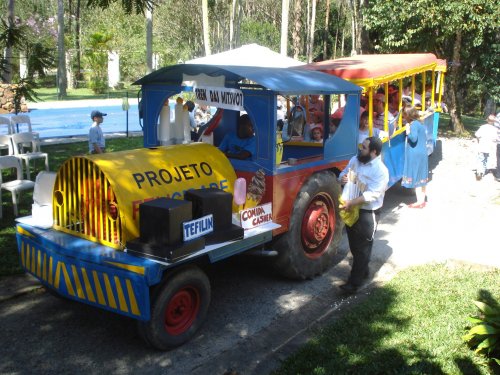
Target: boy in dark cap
[97,144]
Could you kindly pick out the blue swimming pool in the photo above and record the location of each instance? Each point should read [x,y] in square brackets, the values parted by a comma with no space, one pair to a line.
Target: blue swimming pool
[65,122]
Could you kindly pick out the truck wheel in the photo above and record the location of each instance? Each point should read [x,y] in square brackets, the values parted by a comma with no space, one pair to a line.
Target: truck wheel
[315,231]
[178,309]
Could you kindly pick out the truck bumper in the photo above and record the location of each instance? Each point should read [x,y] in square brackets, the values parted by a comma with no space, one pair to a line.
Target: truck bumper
[87,272]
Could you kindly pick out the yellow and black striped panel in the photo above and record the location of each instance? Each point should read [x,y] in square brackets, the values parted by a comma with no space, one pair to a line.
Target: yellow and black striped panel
[122,292]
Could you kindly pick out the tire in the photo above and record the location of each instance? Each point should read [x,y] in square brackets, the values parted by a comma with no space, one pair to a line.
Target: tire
[178,309]
[315,231]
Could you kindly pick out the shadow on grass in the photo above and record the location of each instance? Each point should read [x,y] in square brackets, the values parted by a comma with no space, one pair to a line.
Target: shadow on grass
[362,351]
[413,325]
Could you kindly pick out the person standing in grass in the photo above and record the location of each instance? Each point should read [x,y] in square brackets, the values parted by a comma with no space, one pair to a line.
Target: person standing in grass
[97,143]
[369,170]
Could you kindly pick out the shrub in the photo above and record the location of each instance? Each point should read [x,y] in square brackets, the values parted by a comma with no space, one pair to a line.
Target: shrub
[484,335]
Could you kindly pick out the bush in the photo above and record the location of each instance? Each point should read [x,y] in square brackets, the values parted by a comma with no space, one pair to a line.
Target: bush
[484,336]
[49,80]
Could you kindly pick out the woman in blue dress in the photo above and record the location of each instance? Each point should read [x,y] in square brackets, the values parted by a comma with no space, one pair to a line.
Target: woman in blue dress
[416,167]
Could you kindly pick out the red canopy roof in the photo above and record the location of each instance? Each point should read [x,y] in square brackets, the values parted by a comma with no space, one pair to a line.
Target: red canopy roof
[362,67]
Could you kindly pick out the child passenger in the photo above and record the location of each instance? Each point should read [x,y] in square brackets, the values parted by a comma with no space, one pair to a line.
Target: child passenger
[317,134]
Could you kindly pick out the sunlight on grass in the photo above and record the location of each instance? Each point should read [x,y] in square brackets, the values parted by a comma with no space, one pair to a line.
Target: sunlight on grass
[413,325]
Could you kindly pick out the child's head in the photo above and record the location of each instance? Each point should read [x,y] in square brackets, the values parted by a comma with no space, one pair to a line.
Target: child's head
[491,119]
[317,133]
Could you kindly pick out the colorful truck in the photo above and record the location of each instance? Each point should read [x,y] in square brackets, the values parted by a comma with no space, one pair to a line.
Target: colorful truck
[112,211]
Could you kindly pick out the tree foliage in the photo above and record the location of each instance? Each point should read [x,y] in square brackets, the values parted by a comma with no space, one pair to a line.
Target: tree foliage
[434,26]
[390,26]
[129,6]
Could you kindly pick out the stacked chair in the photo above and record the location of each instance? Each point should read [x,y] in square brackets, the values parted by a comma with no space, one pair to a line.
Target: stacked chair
[18,144]
[15,186]
[27,147]
[5,132]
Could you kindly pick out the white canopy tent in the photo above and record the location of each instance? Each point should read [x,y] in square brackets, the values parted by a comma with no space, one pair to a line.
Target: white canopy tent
[248,55]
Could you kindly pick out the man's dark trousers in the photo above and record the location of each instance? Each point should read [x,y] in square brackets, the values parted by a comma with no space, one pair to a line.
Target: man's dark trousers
[360,237]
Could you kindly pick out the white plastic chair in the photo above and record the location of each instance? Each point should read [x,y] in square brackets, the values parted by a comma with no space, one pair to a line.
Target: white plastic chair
[19,141]
[41,209]
[6,121]
[6,143]
[17,120]
[15,186]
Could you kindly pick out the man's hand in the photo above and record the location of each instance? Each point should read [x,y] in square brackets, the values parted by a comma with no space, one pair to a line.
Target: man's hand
[347,205]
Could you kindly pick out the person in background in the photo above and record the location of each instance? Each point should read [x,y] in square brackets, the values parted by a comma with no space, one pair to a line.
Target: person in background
[317,134]
[334,125]
[379,120]
[241,145]
[416,165]
[364,131]
[393,100]
[314,106]
[202,115]
[373,174]
[192,123]
[407,96]
[97,143]
[486,137]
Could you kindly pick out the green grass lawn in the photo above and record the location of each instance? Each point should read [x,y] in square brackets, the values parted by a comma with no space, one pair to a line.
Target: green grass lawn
[50,94]
[412,325]
[471,124]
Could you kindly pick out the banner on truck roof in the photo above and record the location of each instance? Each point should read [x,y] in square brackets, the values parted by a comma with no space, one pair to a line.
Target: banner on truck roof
[220,97]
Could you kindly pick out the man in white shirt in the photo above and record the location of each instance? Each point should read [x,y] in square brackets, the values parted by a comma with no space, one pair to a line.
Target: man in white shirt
[371,172]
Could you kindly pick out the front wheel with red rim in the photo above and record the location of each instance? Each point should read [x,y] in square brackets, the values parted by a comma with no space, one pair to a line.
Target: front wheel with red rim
[179,308]
[315,230]
[318,225]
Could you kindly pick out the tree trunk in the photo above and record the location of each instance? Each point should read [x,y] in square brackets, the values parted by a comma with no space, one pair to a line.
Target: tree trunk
[297,27]
[206,28]
[325,36]
[61,52]
[310,44]
[77,44]
[285,4]
[365,42]
[355,27]
[7,73]
[308,27]
[149,40]
[455,110]
[336,42]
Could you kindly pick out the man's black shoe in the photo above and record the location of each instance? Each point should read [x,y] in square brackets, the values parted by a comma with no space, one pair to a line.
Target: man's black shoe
[349,288]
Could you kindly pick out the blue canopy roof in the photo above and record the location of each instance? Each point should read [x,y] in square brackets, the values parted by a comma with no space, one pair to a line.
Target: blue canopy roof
[286,81]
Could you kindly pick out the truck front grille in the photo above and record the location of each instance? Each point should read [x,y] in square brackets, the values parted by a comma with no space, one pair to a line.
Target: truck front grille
[85,204]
